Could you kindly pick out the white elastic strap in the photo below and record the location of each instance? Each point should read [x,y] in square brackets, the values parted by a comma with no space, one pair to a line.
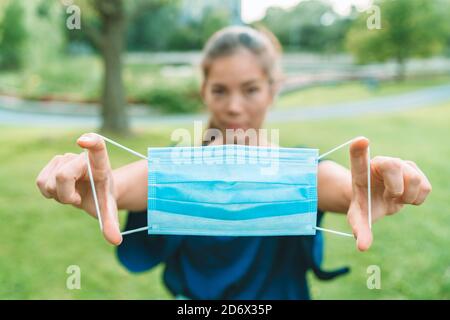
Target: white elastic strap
[135,230]
[335,232]
[91,179]
[369,193]
[335,149]
[123,147]
[94,193]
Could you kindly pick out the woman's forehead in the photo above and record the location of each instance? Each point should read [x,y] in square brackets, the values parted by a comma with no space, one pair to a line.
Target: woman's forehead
[240,67]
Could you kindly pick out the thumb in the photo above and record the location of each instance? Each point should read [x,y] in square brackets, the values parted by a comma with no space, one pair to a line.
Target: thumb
[98,157]
[358,160]
[111,230]
[358,216]
[363,237]
[360,227]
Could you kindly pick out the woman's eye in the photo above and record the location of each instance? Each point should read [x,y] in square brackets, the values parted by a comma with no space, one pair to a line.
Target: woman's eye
[252,90]
[218,91]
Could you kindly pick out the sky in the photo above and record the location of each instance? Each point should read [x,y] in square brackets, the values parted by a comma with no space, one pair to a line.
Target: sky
[255,9]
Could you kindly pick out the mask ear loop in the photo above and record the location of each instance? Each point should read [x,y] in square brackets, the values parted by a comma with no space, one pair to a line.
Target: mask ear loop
[369,193]
[94,193]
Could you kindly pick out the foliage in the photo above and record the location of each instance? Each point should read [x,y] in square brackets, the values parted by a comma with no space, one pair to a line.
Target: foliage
[13,36]
[309,26]
[181,98]
[409,28]
[152,27]
[162,27]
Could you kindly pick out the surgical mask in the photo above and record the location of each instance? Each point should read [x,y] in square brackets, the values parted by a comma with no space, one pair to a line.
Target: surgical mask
[232,190]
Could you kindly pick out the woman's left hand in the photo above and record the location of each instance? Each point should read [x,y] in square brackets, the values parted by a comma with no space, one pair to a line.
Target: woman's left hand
[394,183]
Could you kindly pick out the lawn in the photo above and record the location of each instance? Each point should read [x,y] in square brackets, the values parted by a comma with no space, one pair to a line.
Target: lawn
[41,238]
[354,91]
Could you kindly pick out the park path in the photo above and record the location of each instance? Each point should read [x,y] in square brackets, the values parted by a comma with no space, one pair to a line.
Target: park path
[33,113]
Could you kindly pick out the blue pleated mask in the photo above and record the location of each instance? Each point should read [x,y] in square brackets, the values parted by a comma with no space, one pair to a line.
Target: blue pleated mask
[232,190]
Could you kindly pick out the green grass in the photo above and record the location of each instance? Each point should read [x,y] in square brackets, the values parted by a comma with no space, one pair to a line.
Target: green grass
[353,91]
[41,238]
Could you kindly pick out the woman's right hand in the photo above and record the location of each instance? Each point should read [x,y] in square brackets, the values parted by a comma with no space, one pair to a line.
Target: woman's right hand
[65,178]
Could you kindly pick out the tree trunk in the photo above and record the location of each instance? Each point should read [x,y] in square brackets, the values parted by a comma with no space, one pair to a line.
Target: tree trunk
[114,113]
[401,69]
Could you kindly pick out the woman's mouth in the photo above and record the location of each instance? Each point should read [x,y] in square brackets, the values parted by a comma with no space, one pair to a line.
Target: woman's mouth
[235,126]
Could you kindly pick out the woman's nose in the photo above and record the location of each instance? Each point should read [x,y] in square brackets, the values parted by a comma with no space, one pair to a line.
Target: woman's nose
[235,105]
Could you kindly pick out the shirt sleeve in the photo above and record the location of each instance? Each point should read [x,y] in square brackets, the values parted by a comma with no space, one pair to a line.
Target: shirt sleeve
[140,251]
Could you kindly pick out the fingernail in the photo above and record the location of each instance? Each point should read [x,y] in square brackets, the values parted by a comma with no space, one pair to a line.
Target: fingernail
[85,139]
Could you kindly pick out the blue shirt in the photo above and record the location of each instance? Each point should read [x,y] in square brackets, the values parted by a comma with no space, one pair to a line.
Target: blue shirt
[203,267]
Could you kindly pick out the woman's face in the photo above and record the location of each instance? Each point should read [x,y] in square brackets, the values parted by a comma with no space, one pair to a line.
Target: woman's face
[237,92]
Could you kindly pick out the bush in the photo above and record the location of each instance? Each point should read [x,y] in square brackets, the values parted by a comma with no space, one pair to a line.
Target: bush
[175,98]
[12,37]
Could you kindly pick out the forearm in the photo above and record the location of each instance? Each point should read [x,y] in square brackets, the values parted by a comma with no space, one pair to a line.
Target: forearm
[130,186]
[334,187]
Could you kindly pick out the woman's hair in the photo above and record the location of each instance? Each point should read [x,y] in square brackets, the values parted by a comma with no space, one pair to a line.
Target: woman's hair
[261,42]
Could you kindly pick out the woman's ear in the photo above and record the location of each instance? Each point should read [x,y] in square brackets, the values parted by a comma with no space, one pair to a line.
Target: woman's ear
[203,91]
[203,95]
[274,91]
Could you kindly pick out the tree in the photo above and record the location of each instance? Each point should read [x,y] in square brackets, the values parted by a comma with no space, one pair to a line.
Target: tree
[12,36]
[304,27]
[444,6]
[409,28]
[192,34]
[109,41]
[152,28]
[104,24]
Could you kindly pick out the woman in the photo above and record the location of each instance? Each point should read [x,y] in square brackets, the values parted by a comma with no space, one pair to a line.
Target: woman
[241,76]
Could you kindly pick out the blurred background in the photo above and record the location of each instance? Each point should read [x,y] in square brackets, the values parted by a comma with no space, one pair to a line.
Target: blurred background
[130,69]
